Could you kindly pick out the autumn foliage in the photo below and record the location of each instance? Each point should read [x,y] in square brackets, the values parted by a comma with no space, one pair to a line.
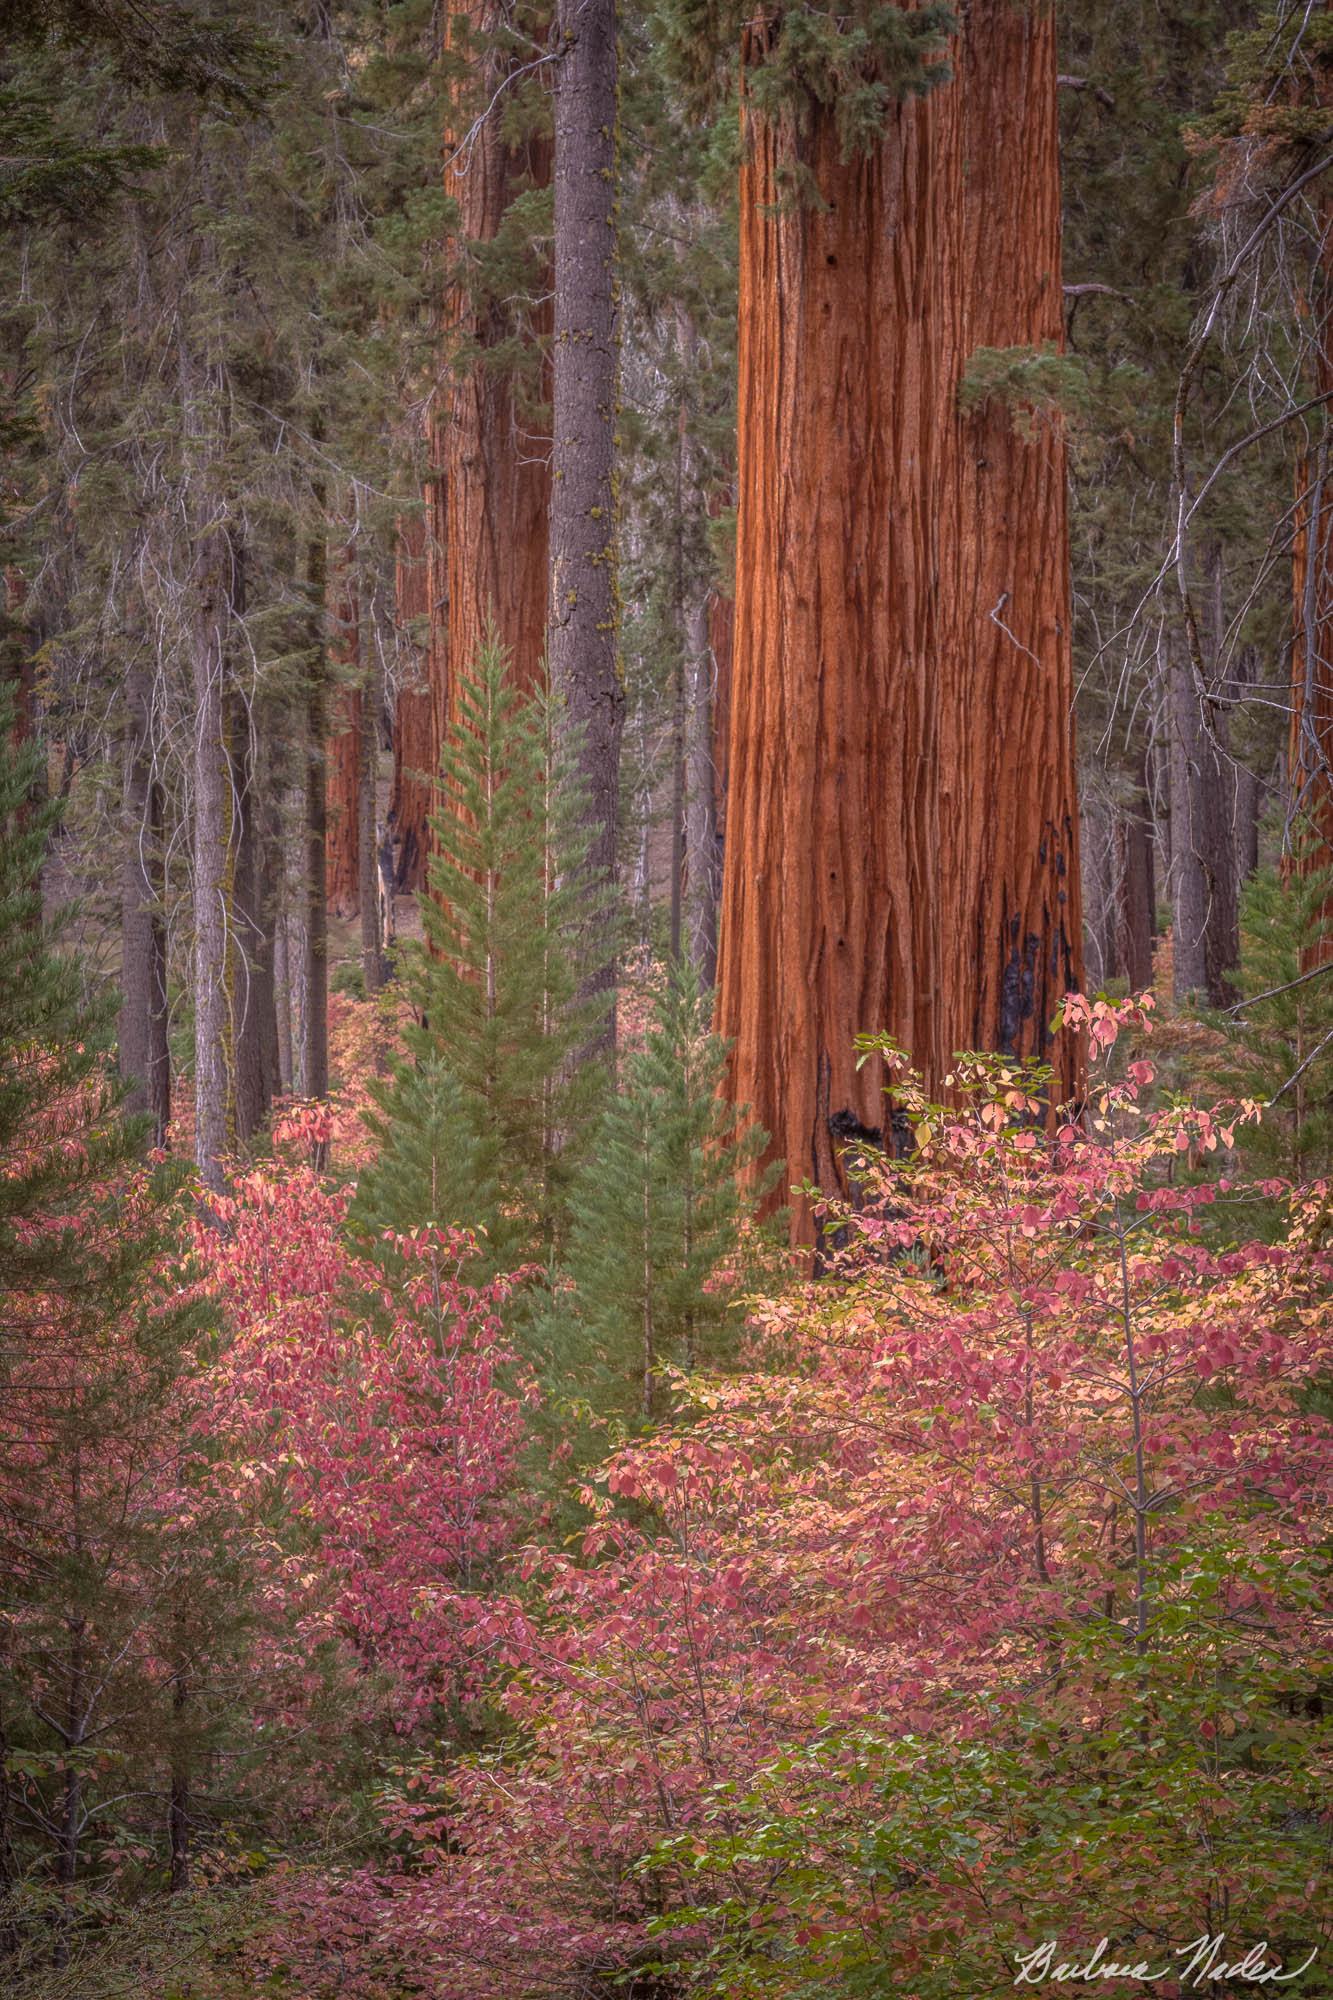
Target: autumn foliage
[982,1605]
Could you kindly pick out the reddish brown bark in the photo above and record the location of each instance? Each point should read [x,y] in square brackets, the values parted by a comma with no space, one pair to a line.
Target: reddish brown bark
[1009,898]
[901,843]
[492,453]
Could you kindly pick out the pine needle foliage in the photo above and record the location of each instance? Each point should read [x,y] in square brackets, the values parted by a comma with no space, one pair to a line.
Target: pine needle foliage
[484,1123]
[1282,1037]
[53,1046]
[664,1218]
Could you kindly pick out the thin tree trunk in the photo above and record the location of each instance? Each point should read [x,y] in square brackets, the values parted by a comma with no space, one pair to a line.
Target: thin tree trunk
[213,831]
[178,1806]
[282,991]
[315,958]
[1101,883]
[1138,893]
[250,958]
[145,1056]
[415,752]
[1247,790]
[368,846]
[721,652]
[345,755]
[1205,946]
[582,655]
[701,837]
[1189,896]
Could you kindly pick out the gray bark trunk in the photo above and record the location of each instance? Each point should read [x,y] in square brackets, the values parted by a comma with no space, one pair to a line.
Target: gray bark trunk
[212,864]
[315,958]
[145,1057]
[582,656]
[1138,891]
[703,872]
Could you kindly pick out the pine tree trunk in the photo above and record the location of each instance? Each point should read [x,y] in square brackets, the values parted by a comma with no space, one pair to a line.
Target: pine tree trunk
[214,1127]
[721,651]
[1310,751]
[1189,899]
[178,1808]
[701,837]
[492,451]
[415,751]
[342,803]
[901,849]
[251,970]
[1101,892]
[368,844]
[1138,891]
[282,986]
[582,658]
[145,1057]
[345,759]
[1309,828]
[1204,931]
[1247,791]
[315,955]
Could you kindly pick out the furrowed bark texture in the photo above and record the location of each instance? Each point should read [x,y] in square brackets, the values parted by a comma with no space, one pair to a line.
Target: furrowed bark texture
[582,659]
[145,1058]
[1009,898]
[495,463]
[900,830]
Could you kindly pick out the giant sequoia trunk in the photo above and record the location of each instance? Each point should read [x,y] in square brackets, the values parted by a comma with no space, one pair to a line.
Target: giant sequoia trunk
[582,639]
[900,829]
[493,459]
[1008,899]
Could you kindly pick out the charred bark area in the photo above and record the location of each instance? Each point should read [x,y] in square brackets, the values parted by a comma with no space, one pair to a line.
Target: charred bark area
[582,658]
